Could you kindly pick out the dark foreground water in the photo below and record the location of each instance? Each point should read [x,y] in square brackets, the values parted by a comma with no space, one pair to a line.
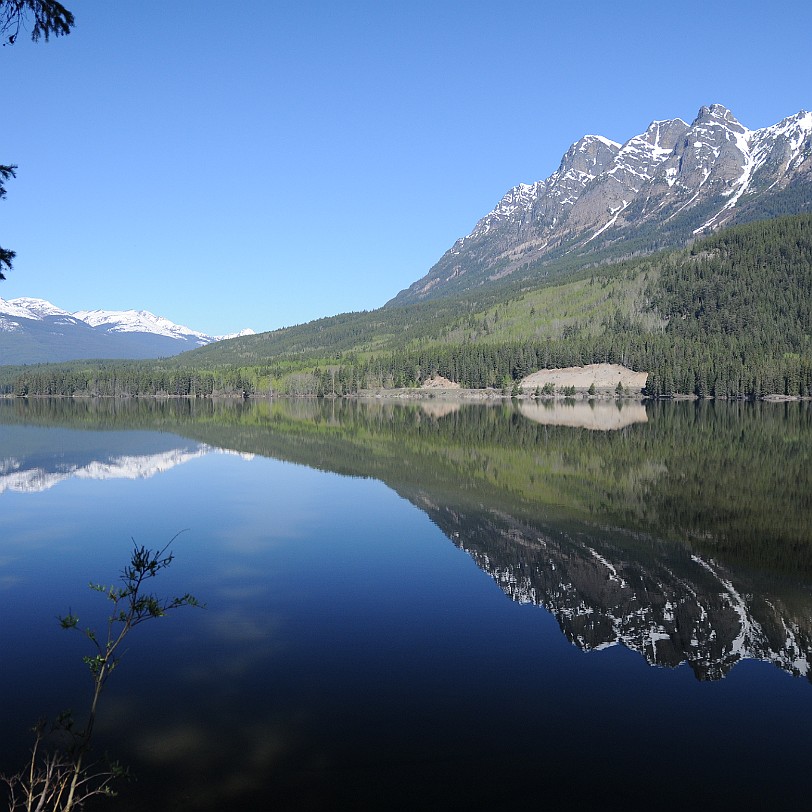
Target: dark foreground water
[422,606]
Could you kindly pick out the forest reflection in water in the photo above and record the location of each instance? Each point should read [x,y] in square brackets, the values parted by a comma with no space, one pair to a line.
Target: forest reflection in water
[677,531]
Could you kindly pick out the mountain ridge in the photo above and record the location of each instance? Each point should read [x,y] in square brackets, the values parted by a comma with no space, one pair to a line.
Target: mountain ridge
[37,331]
[660,189]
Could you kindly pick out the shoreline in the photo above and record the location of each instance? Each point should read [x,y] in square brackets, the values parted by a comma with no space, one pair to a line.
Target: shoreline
[451,394]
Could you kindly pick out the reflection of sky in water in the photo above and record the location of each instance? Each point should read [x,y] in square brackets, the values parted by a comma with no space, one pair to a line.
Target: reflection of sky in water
[349,653]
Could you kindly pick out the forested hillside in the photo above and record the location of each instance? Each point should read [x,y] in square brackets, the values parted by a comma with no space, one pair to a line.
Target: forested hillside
[729,317]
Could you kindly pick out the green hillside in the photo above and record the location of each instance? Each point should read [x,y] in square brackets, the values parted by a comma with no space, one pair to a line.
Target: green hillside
[729,317]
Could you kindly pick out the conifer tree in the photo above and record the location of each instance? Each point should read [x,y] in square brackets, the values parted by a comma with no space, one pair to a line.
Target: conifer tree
[46,18]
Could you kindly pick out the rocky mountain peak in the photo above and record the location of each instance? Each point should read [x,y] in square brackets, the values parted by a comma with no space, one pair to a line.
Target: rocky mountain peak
[717,126]
[660,189]
[589,155]
[663,135]
[716,112]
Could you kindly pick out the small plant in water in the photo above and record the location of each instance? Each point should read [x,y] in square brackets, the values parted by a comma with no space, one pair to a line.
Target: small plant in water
[58,777]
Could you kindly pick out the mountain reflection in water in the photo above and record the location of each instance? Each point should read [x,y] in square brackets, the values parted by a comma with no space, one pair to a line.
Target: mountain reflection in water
[351,656]
[667,604]
[641,536]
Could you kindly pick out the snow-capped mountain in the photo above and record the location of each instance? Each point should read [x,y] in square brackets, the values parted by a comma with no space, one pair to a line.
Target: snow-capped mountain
[26,308]
[140,321]
[36,331]
[661,188]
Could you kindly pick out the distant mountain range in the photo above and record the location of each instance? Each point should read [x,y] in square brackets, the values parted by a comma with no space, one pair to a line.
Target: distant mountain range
[607,200]
[36,331]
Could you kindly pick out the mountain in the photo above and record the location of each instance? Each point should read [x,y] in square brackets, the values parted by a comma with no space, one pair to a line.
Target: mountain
[36,331]
[660,189]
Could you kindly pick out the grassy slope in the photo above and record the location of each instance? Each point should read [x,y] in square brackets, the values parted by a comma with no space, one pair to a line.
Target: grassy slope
[502,313]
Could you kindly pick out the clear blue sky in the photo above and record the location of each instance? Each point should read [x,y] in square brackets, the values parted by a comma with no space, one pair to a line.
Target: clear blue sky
[266,163]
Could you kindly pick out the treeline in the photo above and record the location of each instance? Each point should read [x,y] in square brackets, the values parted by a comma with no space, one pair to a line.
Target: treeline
[722,369]
[125,380]
[713,367]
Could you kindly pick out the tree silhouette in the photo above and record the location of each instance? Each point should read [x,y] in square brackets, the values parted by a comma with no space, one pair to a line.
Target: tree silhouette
[46,18]
[6,256]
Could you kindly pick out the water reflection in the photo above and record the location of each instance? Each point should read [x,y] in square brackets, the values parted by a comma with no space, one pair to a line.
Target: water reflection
[28,468]
[674,537]
[593,415]
[351,655]
[660,600]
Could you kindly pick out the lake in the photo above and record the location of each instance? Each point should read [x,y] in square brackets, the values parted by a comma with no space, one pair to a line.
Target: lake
[423,604]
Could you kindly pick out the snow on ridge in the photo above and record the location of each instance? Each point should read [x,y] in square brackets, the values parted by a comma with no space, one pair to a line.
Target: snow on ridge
[246,332]
[519,197]
[756,147]
[660,121]
[138,321]
[24,307]
[112,321]
[795,129]
[603,139]
[639,157]
[743,143]
[802,120]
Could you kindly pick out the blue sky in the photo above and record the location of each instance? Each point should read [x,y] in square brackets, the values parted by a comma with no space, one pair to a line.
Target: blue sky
[264,163]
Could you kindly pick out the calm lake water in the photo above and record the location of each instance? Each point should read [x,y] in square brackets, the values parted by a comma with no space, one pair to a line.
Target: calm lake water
[422,605]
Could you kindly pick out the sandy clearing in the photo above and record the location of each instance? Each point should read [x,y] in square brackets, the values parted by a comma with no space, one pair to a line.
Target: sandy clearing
[439,382]
[604,376]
